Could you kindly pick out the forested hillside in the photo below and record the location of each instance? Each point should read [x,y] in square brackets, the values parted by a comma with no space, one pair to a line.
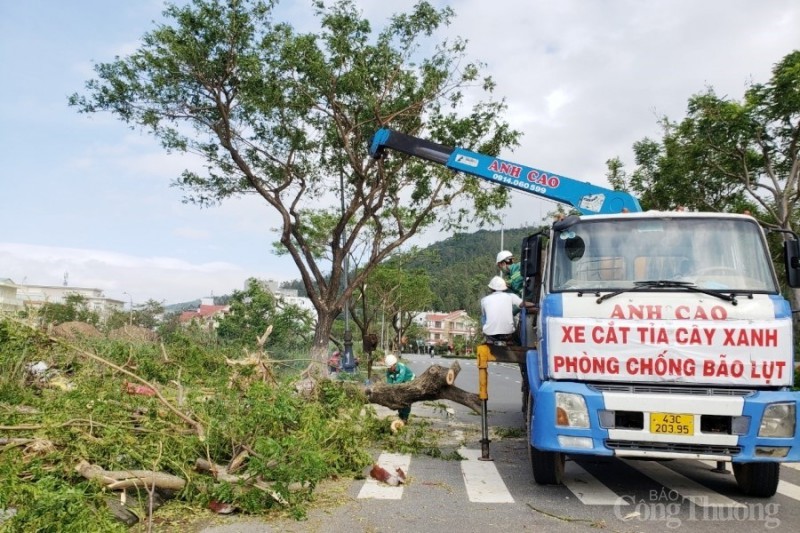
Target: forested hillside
[460,266]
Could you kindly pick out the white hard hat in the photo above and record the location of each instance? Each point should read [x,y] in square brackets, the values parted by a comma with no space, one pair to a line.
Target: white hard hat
[502,256]
[390,360]
[498,284]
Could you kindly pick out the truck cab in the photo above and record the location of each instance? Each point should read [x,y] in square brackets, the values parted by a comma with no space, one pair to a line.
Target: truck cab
[660,335]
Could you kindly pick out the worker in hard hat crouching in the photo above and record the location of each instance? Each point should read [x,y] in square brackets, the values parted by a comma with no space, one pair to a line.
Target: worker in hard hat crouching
[510,272]
[397,372]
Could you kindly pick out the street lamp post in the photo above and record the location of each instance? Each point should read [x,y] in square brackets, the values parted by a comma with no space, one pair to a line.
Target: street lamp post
[471,338]
[348,360]
[130,315]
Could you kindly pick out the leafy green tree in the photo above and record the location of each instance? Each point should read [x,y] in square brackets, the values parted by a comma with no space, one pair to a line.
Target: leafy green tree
[254,309]
[117,319]
[288,116]
[415,335]
[74,308]
[729,155]
[395,293]
[148,315]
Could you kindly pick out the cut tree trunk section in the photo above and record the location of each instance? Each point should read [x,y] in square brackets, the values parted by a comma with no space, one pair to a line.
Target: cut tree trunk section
[436,383]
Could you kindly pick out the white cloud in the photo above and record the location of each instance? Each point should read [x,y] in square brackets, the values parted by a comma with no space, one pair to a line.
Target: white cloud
[166,279]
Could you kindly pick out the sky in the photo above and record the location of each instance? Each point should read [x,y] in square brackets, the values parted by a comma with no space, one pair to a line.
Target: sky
[85,200]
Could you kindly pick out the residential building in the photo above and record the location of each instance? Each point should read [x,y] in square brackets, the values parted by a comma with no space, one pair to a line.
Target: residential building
[445,328]
[8,296]
[35,296]
[206,315]
[288,296]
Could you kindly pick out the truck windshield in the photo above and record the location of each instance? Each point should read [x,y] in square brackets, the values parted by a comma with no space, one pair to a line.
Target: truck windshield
[712,253]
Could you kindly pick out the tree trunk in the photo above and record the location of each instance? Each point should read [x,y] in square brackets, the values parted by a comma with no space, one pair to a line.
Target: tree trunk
[318,366]
[436,383]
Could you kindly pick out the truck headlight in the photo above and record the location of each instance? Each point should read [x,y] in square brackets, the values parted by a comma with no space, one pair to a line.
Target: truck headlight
[571,410]
[778,420]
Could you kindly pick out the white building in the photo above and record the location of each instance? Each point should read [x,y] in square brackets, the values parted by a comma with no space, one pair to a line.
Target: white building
[8,296]
[35,296]
[289,296]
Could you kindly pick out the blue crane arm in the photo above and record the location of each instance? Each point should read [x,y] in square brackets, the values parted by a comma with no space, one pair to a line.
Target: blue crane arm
[587,198]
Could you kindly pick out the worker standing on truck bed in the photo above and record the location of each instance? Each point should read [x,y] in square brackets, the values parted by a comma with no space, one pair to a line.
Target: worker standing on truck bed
[497,312]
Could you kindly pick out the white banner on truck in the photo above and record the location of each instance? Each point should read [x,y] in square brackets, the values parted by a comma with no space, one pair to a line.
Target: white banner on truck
[719,352]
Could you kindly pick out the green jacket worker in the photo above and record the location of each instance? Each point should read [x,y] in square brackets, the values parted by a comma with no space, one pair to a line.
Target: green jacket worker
[511,271]
[397,372]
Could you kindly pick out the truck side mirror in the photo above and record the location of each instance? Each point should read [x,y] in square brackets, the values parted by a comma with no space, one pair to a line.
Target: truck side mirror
[531,261]
[791,259]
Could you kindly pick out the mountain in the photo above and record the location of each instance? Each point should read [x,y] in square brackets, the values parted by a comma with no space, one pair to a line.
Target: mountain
[461,266]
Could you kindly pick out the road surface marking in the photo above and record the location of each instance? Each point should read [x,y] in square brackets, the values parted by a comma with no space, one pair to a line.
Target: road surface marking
[789,490]
[587,488]
[483,481]
[696,493]
[376,490]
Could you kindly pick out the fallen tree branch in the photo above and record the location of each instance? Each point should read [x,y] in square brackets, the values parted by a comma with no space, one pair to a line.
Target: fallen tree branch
[14,442]
[75,422]
[126,479]
[32,446]
[222,473]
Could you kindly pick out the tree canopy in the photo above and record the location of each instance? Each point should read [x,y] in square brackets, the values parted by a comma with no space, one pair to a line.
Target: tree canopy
[729,155]
[287,116]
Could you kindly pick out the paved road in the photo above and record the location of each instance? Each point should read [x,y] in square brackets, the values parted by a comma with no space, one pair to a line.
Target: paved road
[469,495]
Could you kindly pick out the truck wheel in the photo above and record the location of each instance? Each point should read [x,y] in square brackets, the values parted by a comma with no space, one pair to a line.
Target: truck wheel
[547,467]
[757,479]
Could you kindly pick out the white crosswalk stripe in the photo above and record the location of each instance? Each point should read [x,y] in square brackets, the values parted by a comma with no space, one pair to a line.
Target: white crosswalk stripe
[381,491]
[483,481]
[484,484]
[696,493]
[587,488]
[789,490]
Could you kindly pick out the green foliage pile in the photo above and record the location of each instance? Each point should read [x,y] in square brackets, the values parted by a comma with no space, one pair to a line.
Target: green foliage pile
[82,408]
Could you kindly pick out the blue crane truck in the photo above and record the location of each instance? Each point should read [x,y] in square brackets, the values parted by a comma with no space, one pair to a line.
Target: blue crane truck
[654,335]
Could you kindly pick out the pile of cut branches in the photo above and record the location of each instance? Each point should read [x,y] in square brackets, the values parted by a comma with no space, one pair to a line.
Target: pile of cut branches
[90,421]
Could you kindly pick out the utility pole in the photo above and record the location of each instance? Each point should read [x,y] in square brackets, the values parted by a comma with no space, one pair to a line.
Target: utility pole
[130,315]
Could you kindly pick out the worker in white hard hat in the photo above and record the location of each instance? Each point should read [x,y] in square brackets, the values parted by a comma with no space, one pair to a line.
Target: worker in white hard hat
[510,270]
[497,311]
[397,372]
